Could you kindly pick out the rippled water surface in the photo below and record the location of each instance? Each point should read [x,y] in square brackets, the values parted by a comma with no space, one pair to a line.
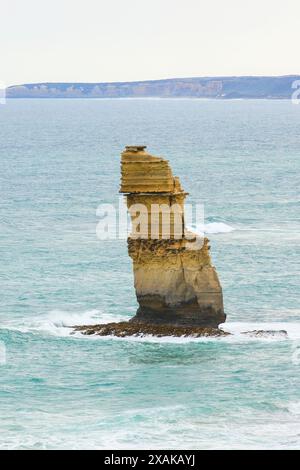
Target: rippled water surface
[59,159]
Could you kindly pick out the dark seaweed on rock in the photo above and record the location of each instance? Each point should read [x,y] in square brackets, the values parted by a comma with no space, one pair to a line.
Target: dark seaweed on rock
[123,329]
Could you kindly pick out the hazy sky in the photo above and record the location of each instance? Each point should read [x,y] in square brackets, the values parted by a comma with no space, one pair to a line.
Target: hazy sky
[115,40]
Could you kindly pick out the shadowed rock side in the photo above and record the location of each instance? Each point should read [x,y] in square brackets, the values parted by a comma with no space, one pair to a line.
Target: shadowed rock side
[175,285]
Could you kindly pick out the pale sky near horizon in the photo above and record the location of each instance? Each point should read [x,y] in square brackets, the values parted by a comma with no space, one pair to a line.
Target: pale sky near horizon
[115,40]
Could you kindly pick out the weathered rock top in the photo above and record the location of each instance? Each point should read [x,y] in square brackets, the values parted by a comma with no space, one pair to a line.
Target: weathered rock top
[135,148]
[142,172]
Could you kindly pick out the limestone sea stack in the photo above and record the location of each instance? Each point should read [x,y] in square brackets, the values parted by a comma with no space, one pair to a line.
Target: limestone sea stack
[175,281]
[177,287]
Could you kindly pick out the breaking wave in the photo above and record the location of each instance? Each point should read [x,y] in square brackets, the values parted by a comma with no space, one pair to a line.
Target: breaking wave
[212,228]
[61,323]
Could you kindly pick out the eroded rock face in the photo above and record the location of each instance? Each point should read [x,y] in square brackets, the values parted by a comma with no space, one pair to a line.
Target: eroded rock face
[174,279]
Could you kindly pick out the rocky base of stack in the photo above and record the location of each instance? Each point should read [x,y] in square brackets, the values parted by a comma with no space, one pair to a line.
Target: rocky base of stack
[176,285]
[129,328]
[123,329]
[185,314]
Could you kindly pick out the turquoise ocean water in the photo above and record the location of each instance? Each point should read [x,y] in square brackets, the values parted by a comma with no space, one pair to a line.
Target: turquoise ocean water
[59,159]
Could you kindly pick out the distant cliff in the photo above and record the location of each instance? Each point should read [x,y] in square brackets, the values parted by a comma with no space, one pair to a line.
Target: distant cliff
[206,87]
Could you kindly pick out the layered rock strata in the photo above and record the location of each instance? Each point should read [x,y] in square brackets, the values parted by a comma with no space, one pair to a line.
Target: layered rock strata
[177,288]
[174,279]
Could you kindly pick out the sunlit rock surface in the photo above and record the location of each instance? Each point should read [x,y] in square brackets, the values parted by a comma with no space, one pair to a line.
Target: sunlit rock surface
[177,287]
[174,278]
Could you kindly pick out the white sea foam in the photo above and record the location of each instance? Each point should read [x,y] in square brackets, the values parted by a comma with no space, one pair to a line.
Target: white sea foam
[60,323]
[212,228]
[238,330]
[294,407]
[159,340]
